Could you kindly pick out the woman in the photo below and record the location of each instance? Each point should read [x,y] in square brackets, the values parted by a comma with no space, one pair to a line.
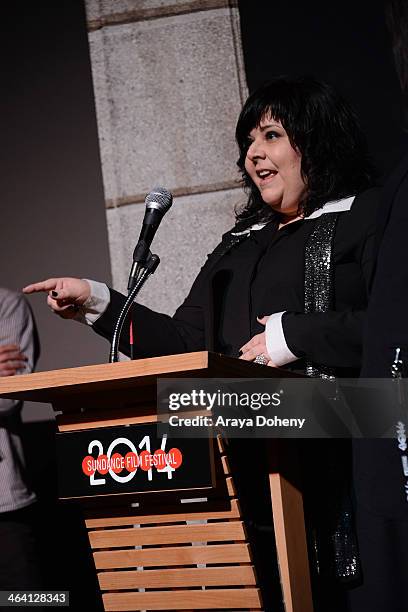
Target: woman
[302,157]
[288,284]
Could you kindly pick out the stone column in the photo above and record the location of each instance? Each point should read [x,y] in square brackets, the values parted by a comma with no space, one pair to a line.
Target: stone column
[169,84]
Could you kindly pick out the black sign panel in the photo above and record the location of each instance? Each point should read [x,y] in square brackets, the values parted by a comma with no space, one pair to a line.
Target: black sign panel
[130,459]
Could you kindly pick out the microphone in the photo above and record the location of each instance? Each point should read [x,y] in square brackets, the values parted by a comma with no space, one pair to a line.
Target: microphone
[158,202]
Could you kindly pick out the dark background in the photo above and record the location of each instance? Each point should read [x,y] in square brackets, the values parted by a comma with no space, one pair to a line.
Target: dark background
[52,223]
[52,205]
[53,214]
[344,42]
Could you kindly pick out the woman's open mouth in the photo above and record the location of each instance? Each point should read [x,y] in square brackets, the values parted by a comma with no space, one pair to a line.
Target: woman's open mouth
[266,176]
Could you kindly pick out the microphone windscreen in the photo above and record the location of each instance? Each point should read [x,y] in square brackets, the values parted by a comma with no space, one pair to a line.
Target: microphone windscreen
[160,199]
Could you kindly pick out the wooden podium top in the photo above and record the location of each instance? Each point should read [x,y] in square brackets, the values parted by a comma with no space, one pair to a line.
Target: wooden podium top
[105,380]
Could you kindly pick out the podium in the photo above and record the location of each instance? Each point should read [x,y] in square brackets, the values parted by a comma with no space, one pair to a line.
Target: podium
[182,549]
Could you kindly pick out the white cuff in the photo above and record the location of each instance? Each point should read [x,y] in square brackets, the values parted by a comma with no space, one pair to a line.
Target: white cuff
[95,305]
[275,341]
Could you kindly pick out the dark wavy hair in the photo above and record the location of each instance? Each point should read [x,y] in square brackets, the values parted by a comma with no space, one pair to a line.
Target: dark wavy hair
[322,127]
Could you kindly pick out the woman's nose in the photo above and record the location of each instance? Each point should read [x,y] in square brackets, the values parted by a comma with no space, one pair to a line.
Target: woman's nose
[255,150]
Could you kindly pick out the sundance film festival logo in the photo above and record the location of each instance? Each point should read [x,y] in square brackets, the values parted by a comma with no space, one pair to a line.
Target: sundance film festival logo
[123,466]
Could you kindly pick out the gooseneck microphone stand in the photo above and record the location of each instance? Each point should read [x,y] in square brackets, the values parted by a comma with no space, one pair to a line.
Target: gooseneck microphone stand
[144,270]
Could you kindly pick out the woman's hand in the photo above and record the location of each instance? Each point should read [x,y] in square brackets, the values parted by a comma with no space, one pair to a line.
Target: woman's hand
[65,295]
[257,346]
[12,360]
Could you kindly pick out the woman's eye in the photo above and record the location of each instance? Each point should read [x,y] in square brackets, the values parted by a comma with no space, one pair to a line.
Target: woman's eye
[271,135]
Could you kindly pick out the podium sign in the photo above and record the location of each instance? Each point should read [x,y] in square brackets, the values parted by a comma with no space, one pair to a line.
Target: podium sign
[130,459]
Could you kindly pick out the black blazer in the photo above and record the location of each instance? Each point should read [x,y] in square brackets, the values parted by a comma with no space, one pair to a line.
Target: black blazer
[333,338]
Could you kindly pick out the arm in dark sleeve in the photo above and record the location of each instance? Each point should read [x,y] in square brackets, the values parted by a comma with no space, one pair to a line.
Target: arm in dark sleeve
[154,333]
[330,338]
[335,338]
[157,333]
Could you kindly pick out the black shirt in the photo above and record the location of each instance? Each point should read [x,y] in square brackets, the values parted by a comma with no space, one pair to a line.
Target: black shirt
[267,271]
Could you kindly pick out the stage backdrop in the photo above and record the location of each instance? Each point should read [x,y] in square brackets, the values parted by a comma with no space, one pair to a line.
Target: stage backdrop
[53,219]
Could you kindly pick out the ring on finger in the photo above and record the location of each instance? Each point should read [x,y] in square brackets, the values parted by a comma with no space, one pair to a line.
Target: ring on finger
[261,359]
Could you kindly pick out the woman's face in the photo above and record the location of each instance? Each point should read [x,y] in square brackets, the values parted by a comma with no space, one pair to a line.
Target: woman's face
[274,166]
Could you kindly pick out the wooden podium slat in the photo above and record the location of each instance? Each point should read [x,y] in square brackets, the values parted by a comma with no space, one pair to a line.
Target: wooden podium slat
[228,599]
[173,534]
[180,555]
[105,418]
[175,517]
[182,577]
[232,492]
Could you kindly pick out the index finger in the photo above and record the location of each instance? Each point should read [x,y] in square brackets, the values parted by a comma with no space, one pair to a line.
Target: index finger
[46,285]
